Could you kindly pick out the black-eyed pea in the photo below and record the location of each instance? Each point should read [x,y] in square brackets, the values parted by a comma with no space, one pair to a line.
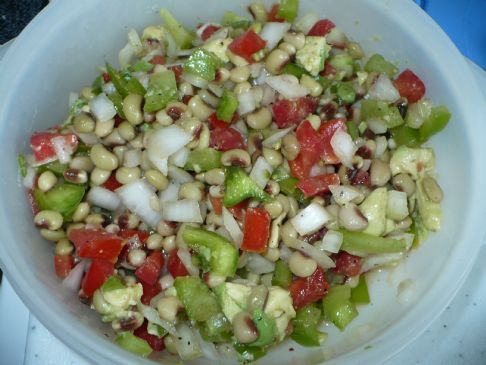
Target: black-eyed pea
[259,119]
[126,175]
[126,130]
[99,176]
[102,158]
[154,242]
[64,247]
[300,265]
[163,118]
[258,12]
[132,108]
[403,182]
[104,128]
[52,236]
[214,176]
[81,212]
[380,172]
[169,243]
[49,219]
[290,147]
[186,88]
[81,163]
[274,208]
[165,228]
[432,189]
[136,257]
[208,98]
[288,233]
[76,176]
[239,74]
[244,329]
[83,123]
[157,179]
[276,61]
[94,219]
[87,93]
[287,47]
[351,218]
[199,109]
[242,87]
[274,158]
[296,39]
[222,75]
[236,157]
[46,181]
[192,190]
[314,87]
[168,307]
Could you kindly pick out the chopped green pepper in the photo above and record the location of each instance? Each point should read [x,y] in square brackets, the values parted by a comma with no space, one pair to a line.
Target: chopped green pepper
[203,63]
[22,164]
[289,187]
[288,10]
[181,35]
[360,294]
[266,328]
[112,283]
[239,186]
[221,254]
[124,82]
[247,353]
[117,101]
[97,85]
[162,89]
[406,136]
[234,20]
[342,62]
[227,106]
[294,69]
[62,198]
[377,63]
[437,121]
[366,243]
[203,160]
[337,307]
[280,173]
[132,343]
[353,129]
[380,109]
[156,330]
[142,66]
[324,81]
[56,167]
[200,302]
[346,93]
[282,276]
[305,325]
[216,329]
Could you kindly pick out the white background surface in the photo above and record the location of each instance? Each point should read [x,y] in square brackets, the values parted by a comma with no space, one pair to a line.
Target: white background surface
[458,336]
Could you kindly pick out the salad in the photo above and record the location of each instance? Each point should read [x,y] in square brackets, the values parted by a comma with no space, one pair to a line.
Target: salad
[228,187]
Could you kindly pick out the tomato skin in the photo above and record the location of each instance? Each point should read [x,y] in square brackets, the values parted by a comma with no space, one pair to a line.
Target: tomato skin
[208,31]
[247,44]
[215,123]
[239,210]
[317,184]
[157,60]
[217,204]
[272,14]
[98,272]
[226,139]
[129,233]
[63,265]
[112,183]
[329,70]
[347,264]
[288,112]
[149,292]
[327,130]
[149,271]
[175,266]
[410,86]
[96,244]
[308,290]
[321,28]
[256,230]
[42,148]
[156,343]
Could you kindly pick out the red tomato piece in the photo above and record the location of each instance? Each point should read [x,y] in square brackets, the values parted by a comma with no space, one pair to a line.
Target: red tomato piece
[98,272]
[149,271]
[129,233]
[217,204]
[226,139]
[327,130]
[106,77]
[175,266]
[208,31]
[410,86]
[308,290]
[318,184]
[247,44]
[321,28]
[112,183]
[156,343]
[96,244]
[157,60]
[63,265]
[215,123]
[361,178]
[43,148]
[288,112]
[329,70]
[272,14]
[347,264]
[256,230]
[149,291]
[239,210]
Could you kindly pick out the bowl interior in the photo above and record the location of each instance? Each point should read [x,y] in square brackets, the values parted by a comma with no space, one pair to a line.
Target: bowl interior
[59,53]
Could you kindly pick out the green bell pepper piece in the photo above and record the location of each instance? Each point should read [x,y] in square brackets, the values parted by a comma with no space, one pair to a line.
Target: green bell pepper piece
[406,136]
[343,62]
[377,63]
[366,244]
[156,330]
[282,276]
[124,82]
[221,254]
[289,187]
[180,34]
[234,20]
[112,283]
[227,106]
[97,85]
[117,101]
[82,150]
[266,328]
[353,129]
[346,93]
[324,81]
[337,306]
[360,294]
[22,164]
[62,198]
[203,160]
[132,343]
[162,89]
[248,353]
[305,325]
[200,302]
[203,63]
[216,329]
[294,69]
[437,121]
[280,173]
[288,10]
[380,109]
[56,167]
[239,186]
[142,66]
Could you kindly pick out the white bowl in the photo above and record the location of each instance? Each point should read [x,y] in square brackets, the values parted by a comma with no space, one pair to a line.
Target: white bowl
[59,52]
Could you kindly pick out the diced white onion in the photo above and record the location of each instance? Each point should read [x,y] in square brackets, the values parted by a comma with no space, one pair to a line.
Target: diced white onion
[306,22]
[166,281]
[332,241]
[186,343]
[319,256]
[287,85]
[180,157]
[185,211]
[153,316]
[102,107]
[336,38]
[169,194]
[285,252]
[257,264]
[232,227]
[126,55]
[108,88]
[132,158]
[377,126]
[256,69]
[134,40]
[381,145]
[195,80]
[344,147]
[269,95]
[261,172]
[311,218]
[185,257]
[208,349]
[29,178]
[142,77]
[88,138]
[136,196]
[343,194]
[179,176]
[273,32]
[62,148]
[383,89]
[224,232]
[103,198]
[276,136]
[317,170]
[262,77]
[241,127]
[219,34]
[72,282]
[246,102]
[397,205]
[371,262]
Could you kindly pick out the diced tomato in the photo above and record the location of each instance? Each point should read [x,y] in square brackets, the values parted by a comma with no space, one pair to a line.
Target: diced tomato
[96,244]
[156,343]
[327,130]
[129,233]
[318,184]
[177,71]
[272,14]
[247,44]
[217,204]
[215,123]
[149,271]
[63,265]
[149,291]
[112,183]
[321,28]
[43,148]
[157,60]
[347,264]
[208,31]
[239,210]
[329,70]
[409,85]
[361,178]
[98,272]
[106,77]
[226,139]
[256,230]
[308,290]
[175,265]
[288,112]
